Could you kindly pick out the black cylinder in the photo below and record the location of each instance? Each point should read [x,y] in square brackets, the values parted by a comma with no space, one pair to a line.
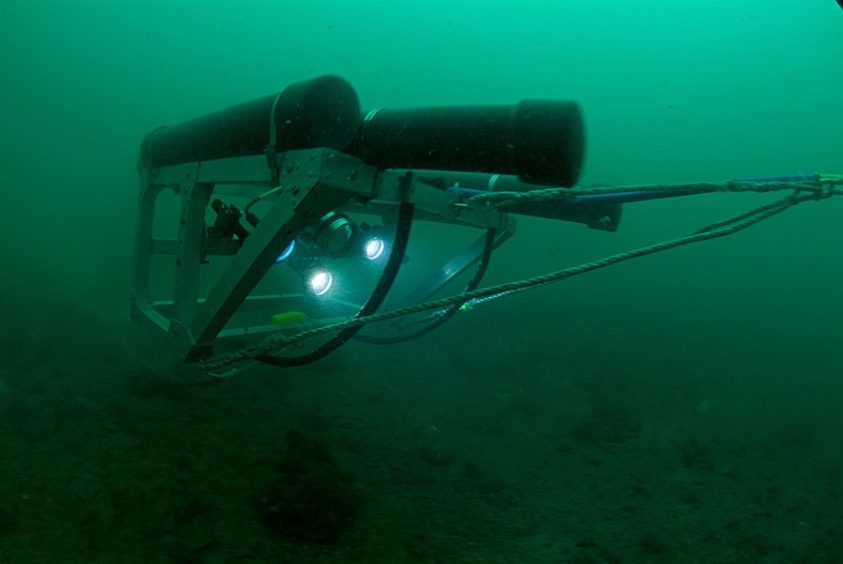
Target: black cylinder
[322,112]
[540,141]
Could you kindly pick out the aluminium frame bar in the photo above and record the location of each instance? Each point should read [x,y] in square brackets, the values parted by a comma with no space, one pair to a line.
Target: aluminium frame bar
[314,181]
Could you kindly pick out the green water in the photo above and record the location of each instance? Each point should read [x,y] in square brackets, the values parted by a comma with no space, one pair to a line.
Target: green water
[685,407]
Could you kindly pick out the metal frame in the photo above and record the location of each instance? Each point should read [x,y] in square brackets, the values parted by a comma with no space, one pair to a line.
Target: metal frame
[314,181]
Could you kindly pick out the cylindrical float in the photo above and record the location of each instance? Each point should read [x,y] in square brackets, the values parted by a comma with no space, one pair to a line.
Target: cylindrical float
[322,112]
[540,141]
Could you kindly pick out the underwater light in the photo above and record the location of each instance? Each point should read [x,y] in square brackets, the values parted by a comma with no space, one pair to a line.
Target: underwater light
[320,281]
[285,254]
[374,248]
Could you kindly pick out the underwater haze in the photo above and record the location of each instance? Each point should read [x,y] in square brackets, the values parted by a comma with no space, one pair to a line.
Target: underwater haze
[683,407]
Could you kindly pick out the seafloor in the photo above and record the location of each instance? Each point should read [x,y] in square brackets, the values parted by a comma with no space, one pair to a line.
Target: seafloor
[476,444]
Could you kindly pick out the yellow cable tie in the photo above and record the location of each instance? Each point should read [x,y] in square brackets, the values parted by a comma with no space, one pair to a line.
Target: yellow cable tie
[289,317]
[831,177]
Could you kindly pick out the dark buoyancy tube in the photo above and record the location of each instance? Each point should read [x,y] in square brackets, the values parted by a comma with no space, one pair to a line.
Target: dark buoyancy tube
[321,112]
[540,141]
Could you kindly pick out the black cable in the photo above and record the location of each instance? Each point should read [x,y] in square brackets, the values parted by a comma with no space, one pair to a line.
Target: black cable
[443,315]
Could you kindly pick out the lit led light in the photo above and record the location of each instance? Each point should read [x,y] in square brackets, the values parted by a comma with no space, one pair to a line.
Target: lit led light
[320,282]
[374,248]
[285,254]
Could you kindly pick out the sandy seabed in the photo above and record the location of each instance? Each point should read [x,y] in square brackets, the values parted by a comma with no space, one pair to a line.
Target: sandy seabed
[442,450]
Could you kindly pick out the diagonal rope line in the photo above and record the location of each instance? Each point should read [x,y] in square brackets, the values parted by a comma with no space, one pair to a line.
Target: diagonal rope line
[716,230]
[495,200]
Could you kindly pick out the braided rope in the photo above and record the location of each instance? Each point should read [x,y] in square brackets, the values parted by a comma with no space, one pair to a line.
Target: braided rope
[801,192]
[494,200]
